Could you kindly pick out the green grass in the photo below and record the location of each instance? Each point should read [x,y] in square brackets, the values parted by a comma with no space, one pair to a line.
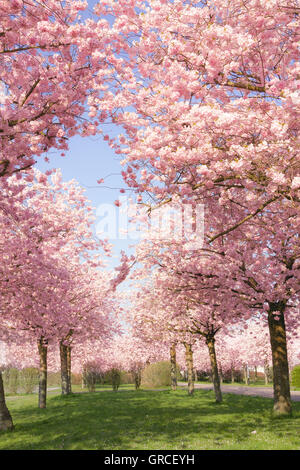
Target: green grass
[78,388]
[153,420]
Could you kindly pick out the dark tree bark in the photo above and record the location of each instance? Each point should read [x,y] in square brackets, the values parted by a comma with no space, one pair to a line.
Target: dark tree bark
[245,369]
[221,375]
[189,364]
[69,368]
[42,347]
[210,341]
[266,372]
[137,374]
[6,422]
[281,383]
[173,367]
[63,368]
[232,375]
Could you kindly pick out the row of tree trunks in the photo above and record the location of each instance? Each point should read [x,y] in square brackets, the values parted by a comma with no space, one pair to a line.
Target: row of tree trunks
[65,359]
[281,384]
[6,422]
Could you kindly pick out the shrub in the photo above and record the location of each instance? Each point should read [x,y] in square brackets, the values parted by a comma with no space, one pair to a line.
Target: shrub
[76,379]
[238,376]
[115,378]
[157,375]
[126,377]
[28,379]
[11,380]
[202,375]
[90,375]
[295,376]
[53,379]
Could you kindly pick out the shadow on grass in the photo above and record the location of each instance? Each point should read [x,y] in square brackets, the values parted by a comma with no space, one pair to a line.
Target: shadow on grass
[145,420]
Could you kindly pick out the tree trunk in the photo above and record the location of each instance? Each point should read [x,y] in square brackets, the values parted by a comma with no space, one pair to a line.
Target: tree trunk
[189,364]
[210,341]
[173,367]
[221,375]
[63,368]
[69,385]
[137,378]
[232,375]
[266,372]
[42,346]
[6,423]
[281,383]
[245,367]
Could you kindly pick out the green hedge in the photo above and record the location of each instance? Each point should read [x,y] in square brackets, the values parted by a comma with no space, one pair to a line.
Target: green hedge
[157,375]
[295,376]
[20,381]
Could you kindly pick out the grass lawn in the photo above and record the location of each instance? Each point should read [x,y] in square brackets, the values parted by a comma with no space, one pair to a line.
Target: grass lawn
[78,388]
[152,420]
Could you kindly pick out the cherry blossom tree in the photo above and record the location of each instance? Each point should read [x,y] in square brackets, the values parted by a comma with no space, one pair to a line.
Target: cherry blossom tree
[49,57]
[51,276]
[211,96]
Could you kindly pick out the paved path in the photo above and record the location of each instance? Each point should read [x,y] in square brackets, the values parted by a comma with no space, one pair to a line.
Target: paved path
[36,391]
[243,390]
[238,389]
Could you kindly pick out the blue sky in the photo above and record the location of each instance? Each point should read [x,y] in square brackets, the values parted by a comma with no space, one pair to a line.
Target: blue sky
[87,160]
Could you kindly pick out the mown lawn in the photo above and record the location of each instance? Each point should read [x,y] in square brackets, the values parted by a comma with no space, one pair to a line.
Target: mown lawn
[154,420]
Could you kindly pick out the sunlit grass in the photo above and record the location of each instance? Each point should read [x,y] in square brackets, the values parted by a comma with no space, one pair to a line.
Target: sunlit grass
[152,420]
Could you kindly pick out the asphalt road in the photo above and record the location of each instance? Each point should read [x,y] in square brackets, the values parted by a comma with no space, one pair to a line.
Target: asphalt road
[243,390]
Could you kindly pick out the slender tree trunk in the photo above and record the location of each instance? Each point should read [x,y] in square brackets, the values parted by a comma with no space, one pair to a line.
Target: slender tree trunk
[210,341]
[69,364]
[232,375]
[42,347]
[281,383]
[221,375]
[255,374]
[245,367]
[266,372]
[137,378]
[63,368]
[173,367]
[6,422]
[189,364]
